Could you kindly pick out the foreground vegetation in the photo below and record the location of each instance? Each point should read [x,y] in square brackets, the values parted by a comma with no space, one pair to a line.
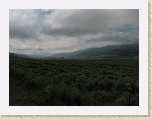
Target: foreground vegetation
[72,82]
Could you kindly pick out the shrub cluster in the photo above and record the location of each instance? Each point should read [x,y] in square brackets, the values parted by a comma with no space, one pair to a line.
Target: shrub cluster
[73,82]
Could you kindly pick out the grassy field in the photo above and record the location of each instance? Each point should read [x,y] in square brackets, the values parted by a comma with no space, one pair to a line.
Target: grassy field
[72,82]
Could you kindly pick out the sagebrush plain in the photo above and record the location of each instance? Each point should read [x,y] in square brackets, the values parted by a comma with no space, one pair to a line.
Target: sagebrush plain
[73,82]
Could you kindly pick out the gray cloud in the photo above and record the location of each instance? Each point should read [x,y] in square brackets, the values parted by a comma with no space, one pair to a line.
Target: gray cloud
[21,32]
[78,22]
[54,31]
[22,24]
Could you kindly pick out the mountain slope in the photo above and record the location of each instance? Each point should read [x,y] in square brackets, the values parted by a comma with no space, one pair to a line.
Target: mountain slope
[115,50]
[119,50]
[107,51]
[14,55]
[67,54]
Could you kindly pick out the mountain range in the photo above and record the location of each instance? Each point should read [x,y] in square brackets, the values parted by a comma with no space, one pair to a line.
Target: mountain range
[129,50]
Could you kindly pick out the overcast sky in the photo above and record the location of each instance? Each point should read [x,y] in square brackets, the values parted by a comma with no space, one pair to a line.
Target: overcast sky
[46,32]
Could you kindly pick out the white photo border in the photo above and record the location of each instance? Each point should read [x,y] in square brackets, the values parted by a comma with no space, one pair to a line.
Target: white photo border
[142,109]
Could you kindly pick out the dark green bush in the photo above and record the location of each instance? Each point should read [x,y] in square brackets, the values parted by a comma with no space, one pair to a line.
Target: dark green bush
[72,82]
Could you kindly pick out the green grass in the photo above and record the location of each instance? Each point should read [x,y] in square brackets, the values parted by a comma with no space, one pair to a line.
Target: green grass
[72,82]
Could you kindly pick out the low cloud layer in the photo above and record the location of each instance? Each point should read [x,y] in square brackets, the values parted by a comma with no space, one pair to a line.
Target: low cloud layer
[46,32]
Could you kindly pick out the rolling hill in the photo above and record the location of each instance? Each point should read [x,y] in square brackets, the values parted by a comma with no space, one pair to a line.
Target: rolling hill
[14,55]
[115,50]
[130,50]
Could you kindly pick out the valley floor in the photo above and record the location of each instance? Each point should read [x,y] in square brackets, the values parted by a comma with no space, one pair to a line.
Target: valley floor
[73,82]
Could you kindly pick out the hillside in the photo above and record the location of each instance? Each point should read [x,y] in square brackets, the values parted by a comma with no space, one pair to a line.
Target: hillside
[115,50]
[107,51]
[14,55]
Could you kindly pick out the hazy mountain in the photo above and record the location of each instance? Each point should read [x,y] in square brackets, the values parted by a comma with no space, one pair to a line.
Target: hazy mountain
[107,51]
[14,55]
[68,54]
[115,50]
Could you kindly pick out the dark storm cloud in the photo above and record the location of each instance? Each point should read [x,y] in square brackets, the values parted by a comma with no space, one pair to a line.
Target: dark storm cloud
[22,24]
[55,31]
[21,32]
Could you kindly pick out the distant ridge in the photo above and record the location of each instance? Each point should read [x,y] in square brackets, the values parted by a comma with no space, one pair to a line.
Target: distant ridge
[14,55]
[117,50]
[107,51]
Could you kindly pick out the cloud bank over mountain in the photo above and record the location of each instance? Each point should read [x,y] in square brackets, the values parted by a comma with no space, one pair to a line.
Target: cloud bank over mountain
[57,31]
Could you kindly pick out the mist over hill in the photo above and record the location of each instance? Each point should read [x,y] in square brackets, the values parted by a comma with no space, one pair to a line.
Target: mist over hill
[115,50]
[14,55]
[107,51]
